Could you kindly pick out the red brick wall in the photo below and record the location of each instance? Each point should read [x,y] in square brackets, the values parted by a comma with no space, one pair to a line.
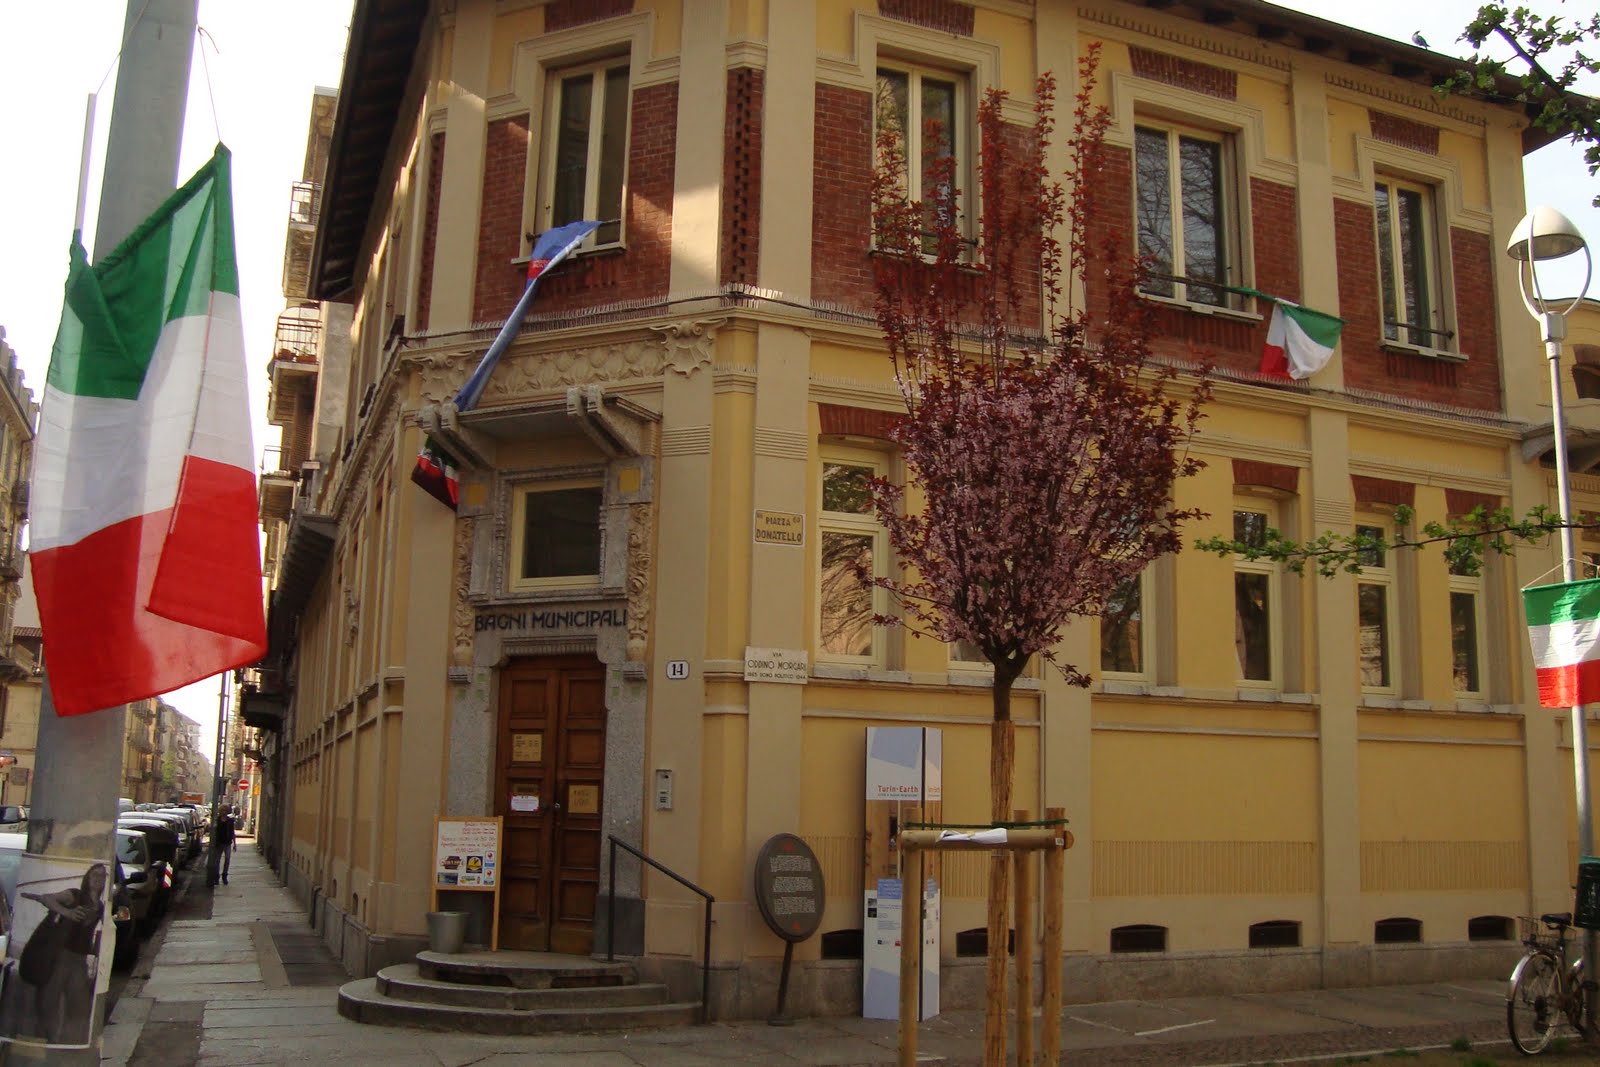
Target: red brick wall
[642,271]
[430,230]
[1460,502]
[1382,491]
[562,14]
[841,198]
[741,177]
[1356,254]
[1256,474]
[1474,383]
[497,283]
[1112,236]
[1184,73]
[1472,259]
[946,16]
[1407,133]
[1029,278]
[838,420]
[1276,226]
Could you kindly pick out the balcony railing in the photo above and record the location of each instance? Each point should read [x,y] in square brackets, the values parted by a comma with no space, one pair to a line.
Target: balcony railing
[296,337]
[305,203]
[273,460]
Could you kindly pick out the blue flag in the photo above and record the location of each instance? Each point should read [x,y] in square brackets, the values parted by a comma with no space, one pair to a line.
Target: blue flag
[551,247]
[436,468]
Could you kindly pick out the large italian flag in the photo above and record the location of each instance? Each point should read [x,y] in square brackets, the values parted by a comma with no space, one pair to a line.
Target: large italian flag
[143,533]
[1564,627]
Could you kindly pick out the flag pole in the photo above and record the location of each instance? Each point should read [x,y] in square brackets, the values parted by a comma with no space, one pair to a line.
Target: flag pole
[83,164]
[78,766]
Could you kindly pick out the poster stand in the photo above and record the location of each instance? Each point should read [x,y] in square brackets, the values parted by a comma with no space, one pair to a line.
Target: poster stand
[466,859]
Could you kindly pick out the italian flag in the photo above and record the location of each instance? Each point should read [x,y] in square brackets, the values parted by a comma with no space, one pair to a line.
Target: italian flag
[1564,627]
[1299,341]
[143,533]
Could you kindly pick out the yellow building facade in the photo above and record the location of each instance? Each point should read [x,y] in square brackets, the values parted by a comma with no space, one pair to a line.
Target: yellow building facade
[1274,781]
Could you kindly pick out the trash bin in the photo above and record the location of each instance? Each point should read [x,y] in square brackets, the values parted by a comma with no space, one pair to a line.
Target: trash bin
[1586,913]
[447,931]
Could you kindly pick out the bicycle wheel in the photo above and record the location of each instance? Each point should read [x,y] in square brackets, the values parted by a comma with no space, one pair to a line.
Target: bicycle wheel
[1533,1006]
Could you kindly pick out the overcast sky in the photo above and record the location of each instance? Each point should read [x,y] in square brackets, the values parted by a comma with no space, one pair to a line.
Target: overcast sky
[267,59]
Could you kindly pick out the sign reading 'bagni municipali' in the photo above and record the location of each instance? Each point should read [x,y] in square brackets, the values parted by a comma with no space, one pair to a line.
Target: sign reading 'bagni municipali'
[550,619]
[789,889]
[788,665]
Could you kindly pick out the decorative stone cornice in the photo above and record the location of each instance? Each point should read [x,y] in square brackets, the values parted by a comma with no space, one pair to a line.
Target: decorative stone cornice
[526,370]
[1190,35]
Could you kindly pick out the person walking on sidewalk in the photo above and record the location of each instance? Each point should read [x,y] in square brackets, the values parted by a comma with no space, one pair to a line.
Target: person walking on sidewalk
[222,839]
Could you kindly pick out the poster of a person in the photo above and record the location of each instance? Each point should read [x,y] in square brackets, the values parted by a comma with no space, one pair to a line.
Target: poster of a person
[53,971]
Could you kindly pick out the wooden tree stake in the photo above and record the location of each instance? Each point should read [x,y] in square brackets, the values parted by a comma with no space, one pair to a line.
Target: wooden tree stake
[1055,866]
[1024,918]
[911,865]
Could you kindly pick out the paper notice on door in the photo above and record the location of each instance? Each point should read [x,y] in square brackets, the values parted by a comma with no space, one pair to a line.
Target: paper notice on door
[524,802]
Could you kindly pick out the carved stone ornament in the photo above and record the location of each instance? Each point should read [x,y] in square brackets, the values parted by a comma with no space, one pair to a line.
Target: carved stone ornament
[639,520]
[352,616]
[689,345]
[683,347]
[441,373]
[461,610]
[539,372]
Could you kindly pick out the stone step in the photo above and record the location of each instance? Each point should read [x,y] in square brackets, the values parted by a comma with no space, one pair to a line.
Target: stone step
[523,970]
[361,1001]
[404,981]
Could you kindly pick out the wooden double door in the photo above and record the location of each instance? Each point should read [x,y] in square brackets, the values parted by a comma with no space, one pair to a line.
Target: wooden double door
[549,787]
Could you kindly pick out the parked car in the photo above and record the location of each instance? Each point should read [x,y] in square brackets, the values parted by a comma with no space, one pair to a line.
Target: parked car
[190,819]
[178,825]
[144,874]
[13,814]
[125,951]
[163,845]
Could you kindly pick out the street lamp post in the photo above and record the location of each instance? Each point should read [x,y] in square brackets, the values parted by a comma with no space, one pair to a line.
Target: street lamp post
[1546,234]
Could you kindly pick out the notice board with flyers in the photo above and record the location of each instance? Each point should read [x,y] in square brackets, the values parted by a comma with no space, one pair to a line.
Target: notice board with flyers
[466,857]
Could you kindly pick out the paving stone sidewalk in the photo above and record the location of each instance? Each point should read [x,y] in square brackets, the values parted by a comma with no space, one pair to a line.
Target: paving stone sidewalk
[250,986]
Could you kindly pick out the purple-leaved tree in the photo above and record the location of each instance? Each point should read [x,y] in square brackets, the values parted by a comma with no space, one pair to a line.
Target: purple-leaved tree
[1040,439]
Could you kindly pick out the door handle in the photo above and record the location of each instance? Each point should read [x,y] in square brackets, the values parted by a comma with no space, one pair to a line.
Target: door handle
[555,808]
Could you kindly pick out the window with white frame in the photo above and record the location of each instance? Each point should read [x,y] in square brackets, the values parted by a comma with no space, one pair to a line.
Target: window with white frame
[555,535]
[586,148]
[1124,636]
[850,541]
[966,656]
[1467,660]
[1257,605]
[926,111]
[1409,264]
[1375,611]
[1185,208]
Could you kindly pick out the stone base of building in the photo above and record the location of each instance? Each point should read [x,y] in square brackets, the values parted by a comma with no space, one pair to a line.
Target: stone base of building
[361,952]
[749,990]
[833,987]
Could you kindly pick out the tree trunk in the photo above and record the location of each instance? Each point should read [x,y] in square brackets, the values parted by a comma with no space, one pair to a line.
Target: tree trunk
[1002,758]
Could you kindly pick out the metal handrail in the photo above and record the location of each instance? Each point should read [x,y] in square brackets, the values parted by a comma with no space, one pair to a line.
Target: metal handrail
[611,915]
[1397,325]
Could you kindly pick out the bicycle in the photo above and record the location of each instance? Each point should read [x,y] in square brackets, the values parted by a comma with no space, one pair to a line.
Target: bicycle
[1544,988]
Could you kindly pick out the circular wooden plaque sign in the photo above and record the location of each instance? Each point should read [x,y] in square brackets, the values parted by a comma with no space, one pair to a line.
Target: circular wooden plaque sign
[789,888]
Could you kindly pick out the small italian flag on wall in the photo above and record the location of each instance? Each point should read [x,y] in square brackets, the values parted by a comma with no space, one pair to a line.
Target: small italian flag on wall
[1564,628]
[1300,341]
